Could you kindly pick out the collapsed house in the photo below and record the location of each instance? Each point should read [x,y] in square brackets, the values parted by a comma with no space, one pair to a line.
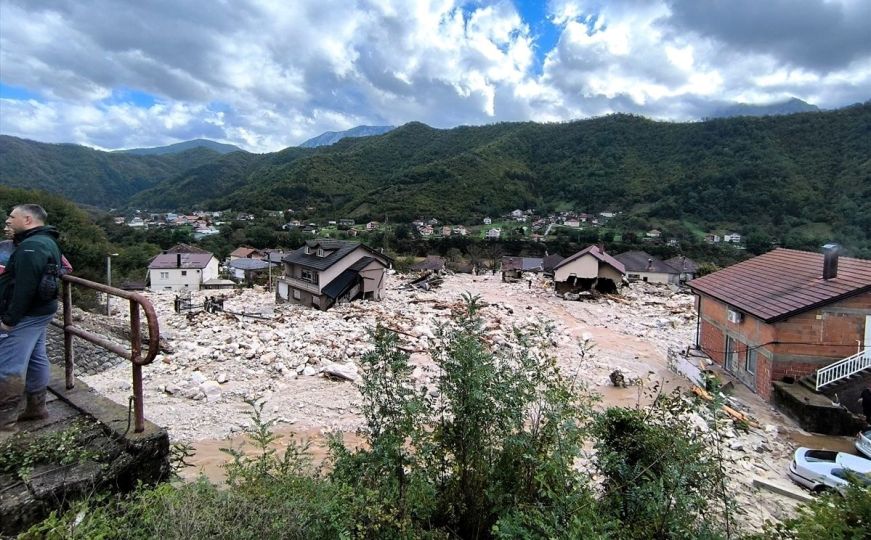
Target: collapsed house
[589,269]
[642,266]
[324,272]
[513,268]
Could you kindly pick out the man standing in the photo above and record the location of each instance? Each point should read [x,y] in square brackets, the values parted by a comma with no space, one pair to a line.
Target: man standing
[25,315]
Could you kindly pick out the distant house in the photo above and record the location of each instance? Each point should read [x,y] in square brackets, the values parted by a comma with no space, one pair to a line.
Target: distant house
[494,234]
[686,268]
[514,267]
[246,252]
[372,225]
[181,271]
[242,269]
[432,263]
[487,221]
[572,222]
[137,223]
[550,262]
[712,238]
[346,222]
[653,233]
[460,230]
[446,231]
[324,272]
[642,266]
[588,269]
[732,238]
[787,314]
[425,230]
[516,214]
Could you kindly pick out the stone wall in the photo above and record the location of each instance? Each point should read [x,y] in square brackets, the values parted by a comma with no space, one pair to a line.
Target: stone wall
[89,358]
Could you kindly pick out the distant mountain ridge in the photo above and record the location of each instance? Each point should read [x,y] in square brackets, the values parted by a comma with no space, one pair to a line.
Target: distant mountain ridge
[332,137]
[790,106]
[178,148]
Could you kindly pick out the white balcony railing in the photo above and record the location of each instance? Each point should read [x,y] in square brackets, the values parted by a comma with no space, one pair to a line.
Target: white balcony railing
[301,284]
[844,368]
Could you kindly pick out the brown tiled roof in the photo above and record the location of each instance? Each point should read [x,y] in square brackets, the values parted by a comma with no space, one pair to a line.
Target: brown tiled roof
[783,283]
[598,254]
[185,248]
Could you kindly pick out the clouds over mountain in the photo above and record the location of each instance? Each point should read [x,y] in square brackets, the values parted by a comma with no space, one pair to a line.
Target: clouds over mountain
[267,74]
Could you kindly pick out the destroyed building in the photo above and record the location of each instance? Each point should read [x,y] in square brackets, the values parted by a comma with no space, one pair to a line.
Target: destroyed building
[589,269]
[324,272]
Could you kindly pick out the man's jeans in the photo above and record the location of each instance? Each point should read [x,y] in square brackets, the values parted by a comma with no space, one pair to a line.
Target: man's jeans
[22,352]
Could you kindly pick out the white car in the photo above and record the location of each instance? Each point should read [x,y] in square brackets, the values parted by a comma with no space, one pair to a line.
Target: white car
[863,442]
[820,470]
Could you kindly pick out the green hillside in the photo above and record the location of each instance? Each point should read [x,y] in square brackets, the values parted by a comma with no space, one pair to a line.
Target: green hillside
[85,175]
[806,175]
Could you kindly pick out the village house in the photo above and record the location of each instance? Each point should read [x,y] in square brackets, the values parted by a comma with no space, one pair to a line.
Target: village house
[493,234]
[137,223]
[653,234]
[487,221]
[642,266]
[446,230]
[246,270]
[550,262]
[372,226]
[246,252]
[181,271]
[785,315]
[513,268]
[712,238]
[460,230]
[732,238]
[346,222]
[686,268]
[590,268]
[324,272]
[425,230]
[572,222]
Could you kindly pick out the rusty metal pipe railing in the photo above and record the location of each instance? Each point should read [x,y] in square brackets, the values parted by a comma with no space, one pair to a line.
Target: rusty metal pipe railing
[134,355]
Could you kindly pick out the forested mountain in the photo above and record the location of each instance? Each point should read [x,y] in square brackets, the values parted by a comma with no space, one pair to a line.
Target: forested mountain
[85,175]
[332,137]
[804,174]
[790,106]
[178,148]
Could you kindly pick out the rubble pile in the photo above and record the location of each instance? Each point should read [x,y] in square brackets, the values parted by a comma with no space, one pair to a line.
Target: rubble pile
[302,362]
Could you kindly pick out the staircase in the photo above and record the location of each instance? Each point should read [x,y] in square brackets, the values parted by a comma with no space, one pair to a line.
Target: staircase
[844,370]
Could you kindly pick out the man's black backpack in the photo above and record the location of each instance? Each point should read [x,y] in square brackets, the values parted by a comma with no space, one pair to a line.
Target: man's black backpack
[49,284]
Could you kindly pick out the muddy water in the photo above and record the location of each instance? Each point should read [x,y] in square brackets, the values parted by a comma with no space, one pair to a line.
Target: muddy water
[209,460]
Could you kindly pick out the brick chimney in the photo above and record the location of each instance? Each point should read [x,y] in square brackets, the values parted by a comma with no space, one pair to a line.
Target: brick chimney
[830,261]
[178,260]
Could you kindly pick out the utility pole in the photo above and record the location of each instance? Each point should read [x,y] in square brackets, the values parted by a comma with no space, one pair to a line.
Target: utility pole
[109,279]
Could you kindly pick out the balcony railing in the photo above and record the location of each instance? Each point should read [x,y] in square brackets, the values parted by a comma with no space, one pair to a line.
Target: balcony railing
[302,284]
[134,354]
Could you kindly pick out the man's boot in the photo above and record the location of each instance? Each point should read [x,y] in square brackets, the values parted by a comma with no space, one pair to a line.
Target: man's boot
[11,390]
[35,407]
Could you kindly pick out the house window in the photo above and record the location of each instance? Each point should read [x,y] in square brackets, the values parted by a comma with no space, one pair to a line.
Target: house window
[184,272]
[731,359]
[750,362]
[308,275]
[164,275]
[320,252]
[296,295]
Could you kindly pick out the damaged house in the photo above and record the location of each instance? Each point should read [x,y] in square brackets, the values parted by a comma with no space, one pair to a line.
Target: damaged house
[324,272]
[588,269]
[642,266]
[513,268]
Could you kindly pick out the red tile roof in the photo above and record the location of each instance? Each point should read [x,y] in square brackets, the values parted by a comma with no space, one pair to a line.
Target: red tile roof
[783,283]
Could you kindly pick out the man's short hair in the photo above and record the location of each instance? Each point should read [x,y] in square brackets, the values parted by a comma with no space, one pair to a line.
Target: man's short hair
[34,210]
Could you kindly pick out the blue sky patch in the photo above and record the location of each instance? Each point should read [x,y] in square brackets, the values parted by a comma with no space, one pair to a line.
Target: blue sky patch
[8,91]
[130,96]
[544,33]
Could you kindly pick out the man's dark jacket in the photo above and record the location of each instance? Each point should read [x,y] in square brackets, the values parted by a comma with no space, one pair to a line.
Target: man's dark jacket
[35,249]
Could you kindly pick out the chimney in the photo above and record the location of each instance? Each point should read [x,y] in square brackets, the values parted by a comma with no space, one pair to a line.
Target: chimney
[830,261]
[649,264]
[178,260]
[602,248]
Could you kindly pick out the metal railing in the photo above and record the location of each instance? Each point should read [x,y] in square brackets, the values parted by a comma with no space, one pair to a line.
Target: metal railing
[844,368]
[134,354]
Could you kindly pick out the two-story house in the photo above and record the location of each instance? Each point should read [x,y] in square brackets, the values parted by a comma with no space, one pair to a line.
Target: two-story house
[181,271]
[324,272]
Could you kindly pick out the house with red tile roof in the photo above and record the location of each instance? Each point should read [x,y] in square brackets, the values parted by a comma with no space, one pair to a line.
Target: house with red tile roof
[786,315]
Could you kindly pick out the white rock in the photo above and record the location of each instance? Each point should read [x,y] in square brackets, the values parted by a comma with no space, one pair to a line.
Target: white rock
[222,378]
[347,372]
[198,378]
[308,371]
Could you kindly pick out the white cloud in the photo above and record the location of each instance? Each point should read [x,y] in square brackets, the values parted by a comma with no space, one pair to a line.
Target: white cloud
[281,73]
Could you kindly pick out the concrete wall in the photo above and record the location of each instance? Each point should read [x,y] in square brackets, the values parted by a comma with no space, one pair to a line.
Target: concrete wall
[804,343]
[653,277]
[373,280]
[584,267]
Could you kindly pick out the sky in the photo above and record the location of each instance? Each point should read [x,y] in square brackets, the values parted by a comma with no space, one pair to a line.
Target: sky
[268,74]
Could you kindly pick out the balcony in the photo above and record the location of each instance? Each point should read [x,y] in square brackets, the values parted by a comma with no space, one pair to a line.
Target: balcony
[302,285]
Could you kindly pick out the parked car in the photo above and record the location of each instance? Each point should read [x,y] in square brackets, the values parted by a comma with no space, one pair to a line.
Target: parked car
[820,470]
[863,442]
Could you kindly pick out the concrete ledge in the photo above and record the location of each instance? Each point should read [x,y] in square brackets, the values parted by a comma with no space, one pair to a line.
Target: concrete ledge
[780,490]
[814,412]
